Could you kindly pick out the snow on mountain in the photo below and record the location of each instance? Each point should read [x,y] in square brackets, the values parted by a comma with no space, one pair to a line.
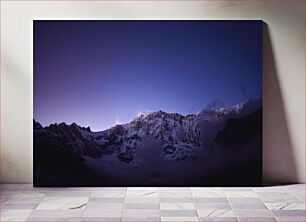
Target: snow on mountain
[182,137]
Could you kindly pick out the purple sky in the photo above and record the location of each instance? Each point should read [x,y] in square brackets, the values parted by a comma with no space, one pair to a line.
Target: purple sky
[97,73]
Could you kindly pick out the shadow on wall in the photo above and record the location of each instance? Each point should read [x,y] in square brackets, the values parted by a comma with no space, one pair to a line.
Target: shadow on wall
[278,161]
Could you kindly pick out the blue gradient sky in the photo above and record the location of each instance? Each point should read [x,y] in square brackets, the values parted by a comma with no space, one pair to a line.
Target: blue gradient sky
[97,73]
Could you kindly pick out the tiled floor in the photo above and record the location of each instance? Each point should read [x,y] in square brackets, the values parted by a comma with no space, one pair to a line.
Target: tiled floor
[22,202]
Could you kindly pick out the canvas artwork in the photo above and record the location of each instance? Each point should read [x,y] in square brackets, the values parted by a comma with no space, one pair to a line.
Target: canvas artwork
[147,103]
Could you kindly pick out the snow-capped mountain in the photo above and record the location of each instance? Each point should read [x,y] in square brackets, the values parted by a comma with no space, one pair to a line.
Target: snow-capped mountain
[181,137]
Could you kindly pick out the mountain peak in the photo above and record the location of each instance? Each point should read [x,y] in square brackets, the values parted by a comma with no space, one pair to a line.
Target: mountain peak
[62,124]
[75,125]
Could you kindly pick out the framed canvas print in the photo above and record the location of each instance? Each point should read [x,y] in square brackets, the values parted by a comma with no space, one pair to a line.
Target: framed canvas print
[147,103]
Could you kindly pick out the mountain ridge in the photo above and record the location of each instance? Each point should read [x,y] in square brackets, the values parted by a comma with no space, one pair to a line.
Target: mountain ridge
[181,136]
[213,145]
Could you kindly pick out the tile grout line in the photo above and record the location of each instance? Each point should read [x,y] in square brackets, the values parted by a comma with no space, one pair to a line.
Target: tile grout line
[158,196]
[91,192]
[123,206]
[294,194]
[198,214]
[265,205]
[37,204]
[229,203]
[5,202]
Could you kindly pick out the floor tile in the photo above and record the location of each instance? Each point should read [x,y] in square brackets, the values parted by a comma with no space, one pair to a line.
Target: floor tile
[24,194]
[94,189]
[35,200]
[179,213]
[238,189]
[91,205]
[276,194]
[236,205]
[14,214]
[142,193]
[62,203]
[105,200]
[175,194]
[210,200]
[141,206]
[110,194]
[285,206]
[174,189]
[224,205]
[289,213]
[254,213]
[244,200]
[140,219]
[101,219]
[278,189]
[56,214]
[26,185]
[10,186]
[240,194]
[3,200]
[280,200]
[176,200]
[55,219]
[218,219]
[142,213]
[177,206]
[29,187]
[274,197]
[207,192]
[151,189]
[142,200]
[179,219]
[296,186]
[103,213]
[254,219]
[19,206]
[291,219]
[300,195]
[216,213]
[67,193]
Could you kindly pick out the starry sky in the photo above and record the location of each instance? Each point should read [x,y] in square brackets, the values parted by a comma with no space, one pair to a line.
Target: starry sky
[101,73]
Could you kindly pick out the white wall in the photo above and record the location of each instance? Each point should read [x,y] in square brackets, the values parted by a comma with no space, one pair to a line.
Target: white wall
[284,79]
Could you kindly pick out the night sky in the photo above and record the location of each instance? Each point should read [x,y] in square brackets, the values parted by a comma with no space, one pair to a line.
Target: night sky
[98,73]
